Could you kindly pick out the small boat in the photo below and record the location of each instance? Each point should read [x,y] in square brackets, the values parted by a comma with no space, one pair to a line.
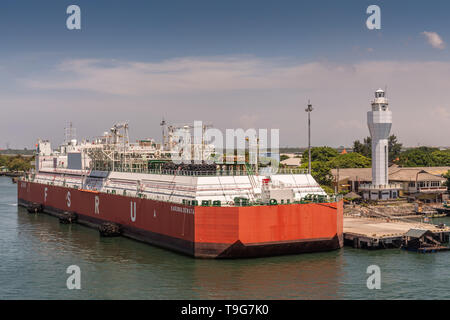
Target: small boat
[445,209]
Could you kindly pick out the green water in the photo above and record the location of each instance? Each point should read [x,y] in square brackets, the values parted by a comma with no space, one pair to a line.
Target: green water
[35,251]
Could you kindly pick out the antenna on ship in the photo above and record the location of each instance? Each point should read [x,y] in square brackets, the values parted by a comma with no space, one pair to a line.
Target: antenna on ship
[70,133]
[163,125]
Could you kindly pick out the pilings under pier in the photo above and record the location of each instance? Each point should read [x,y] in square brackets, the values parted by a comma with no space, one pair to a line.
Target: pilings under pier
[379,233]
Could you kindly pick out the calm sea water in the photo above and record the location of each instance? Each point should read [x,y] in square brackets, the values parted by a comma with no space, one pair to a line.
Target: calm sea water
[35,251]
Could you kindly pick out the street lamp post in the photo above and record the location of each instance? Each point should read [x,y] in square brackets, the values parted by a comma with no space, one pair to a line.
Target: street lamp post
[309,109]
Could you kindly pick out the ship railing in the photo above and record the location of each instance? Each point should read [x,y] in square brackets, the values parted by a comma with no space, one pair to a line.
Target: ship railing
[211,173]
[245,202]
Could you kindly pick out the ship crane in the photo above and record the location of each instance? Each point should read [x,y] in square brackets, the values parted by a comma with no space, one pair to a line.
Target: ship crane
[171,137]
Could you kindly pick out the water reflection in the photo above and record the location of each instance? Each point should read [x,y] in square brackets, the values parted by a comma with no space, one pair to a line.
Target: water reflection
[120,262]
[306,276]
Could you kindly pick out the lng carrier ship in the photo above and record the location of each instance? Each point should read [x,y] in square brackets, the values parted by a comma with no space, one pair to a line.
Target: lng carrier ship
[206,210]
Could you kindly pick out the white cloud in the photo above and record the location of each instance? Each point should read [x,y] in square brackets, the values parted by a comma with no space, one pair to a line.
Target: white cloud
[208,75]
[170,76]
[443,113]
[241,92]
[434,39]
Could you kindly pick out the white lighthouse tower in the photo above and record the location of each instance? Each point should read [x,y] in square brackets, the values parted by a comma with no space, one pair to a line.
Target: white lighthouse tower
[379,121]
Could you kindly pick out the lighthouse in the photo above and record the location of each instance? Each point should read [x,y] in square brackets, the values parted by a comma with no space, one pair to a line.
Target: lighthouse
[379,121]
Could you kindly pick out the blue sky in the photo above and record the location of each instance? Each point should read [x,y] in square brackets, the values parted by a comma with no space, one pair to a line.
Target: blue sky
[149,30]
[121,65]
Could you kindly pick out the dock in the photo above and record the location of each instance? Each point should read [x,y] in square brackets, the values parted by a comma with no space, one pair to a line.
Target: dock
[379,233]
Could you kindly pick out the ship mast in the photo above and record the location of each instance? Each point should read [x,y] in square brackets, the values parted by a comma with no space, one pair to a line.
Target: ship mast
[163,125]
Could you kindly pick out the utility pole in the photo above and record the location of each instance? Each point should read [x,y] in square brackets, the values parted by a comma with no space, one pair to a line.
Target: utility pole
[257,155]
[309,109]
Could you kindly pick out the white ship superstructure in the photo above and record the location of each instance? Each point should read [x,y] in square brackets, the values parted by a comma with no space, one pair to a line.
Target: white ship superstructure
[111,164]
[200,208]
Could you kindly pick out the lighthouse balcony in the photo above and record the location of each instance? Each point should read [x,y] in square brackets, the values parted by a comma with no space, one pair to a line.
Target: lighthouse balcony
[390,186]
[380,192]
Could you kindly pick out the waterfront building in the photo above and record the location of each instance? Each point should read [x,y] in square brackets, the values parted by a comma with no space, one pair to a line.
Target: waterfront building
[426,184]
[292,162]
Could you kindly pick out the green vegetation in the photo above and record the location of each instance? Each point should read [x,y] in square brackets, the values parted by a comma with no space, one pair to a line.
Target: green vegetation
[395,148]
[424,157]
[415,157]
[15,163]
[325,158]
[321,171]
[447,183]
[364,148]
[350,160]
[3,161]
[329,190]
[321,154]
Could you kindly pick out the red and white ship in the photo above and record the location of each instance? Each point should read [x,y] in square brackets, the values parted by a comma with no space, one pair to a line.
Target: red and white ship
[207,211]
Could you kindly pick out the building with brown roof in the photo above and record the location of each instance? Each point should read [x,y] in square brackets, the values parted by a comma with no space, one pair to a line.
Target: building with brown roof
[423,183]
[292,162]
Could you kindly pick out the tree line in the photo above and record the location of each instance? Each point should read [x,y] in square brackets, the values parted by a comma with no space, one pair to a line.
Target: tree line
[323,159]
[413,157]
[15,163]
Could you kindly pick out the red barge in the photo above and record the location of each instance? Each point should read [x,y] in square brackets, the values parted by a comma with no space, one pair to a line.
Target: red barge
[213,213]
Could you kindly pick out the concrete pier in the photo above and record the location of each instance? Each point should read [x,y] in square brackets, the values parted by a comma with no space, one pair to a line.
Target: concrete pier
[379,233]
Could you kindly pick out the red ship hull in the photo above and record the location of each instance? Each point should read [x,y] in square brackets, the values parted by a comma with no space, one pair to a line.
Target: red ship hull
[206,232]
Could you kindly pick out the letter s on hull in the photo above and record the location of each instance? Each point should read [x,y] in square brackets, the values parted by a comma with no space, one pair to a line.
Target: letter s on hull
[68,199]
